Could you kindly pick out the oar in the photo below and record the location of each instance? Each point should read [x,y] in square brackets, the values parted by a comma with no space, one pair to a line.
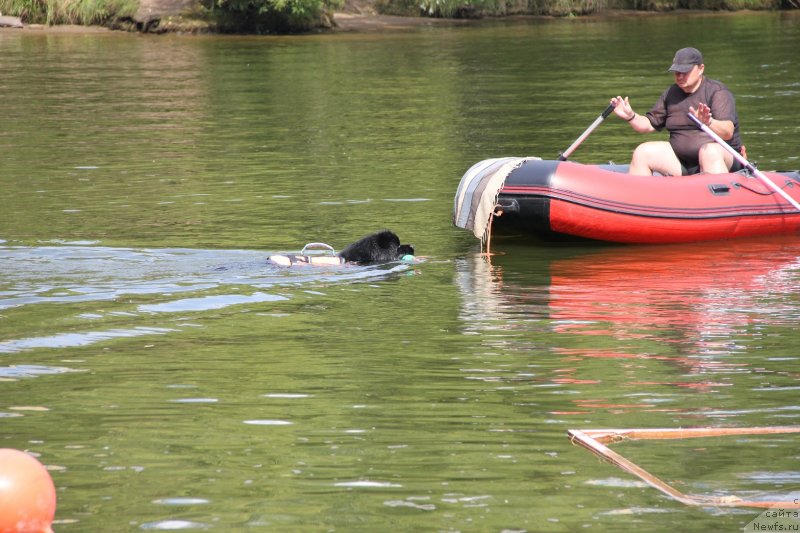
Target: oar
[590,129]
[757,173]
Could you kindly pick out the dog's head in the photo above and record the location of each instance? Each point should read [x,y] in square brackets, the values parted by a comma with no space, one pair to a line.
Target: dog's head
[404,250]
[381,247]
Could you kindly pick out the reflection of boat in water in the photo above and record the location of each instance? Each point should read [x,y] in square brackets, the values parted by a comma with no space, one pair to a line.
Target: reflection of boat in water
[642,285]
[557,199]
[712,289]
[688,303]
[709,287]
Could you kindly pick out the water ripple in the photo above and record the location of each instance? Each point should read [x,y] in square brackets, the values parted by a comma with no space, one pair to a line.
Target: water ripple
[173,525]
[206,303]
[70,340]
[31,371]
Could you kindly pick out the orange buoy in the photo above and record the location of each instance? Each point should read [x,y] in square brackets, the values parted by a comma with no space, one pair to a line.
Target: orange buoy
[27,494]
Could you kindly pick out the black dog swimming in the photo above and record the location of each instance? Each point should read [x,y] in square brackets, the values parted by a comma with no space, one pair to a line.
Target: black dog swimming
[381,247]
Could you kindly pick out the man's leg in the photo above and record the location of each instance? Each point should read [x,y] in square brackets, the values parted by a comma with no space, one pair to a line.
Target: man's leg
[714,159]
[655,156]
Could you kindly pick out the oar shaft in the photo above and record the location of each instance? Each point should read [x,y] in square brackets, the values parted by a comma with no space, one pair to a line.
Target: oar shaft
[740,158]
[568,152]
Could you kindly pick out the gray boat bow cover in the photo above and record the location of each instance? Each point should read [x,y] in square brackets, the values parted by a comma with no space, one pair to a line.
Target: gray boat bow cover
[477,193]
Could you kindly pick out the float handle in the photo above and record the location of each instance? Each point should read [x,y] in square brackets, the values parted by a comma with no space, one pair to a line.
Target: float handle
[326,249]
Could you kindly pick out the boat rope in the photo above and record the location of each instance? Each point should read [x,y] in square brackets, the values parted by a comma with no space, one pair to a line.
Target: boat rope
[787,185]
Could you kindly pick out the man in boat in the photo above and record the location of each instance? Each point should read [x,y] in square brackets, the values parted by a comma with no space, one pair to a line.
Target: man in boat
[689,150]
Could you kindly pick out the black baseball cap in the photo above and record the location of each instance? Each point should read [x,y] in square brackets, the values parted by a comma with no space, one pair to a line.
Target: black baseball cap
[685,59]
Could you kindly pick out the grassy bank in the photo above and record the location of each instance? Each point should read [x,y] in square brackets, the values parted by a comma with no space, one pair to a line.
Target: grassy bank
[482,8]
[83,12]
[286,16]
[240,16]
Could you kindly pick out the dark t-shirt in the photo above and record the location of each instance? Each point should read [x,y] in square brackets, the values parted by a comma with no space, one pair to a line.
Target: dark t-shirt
[671,111]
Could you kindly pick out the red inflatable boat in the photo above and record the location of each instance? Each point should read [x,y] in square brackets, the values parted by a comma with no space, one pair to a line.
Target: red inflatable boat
[557,199]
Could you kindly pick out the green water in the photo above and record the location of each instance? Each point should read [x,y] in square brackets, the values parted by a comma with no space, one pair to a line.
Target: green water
[171,379]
